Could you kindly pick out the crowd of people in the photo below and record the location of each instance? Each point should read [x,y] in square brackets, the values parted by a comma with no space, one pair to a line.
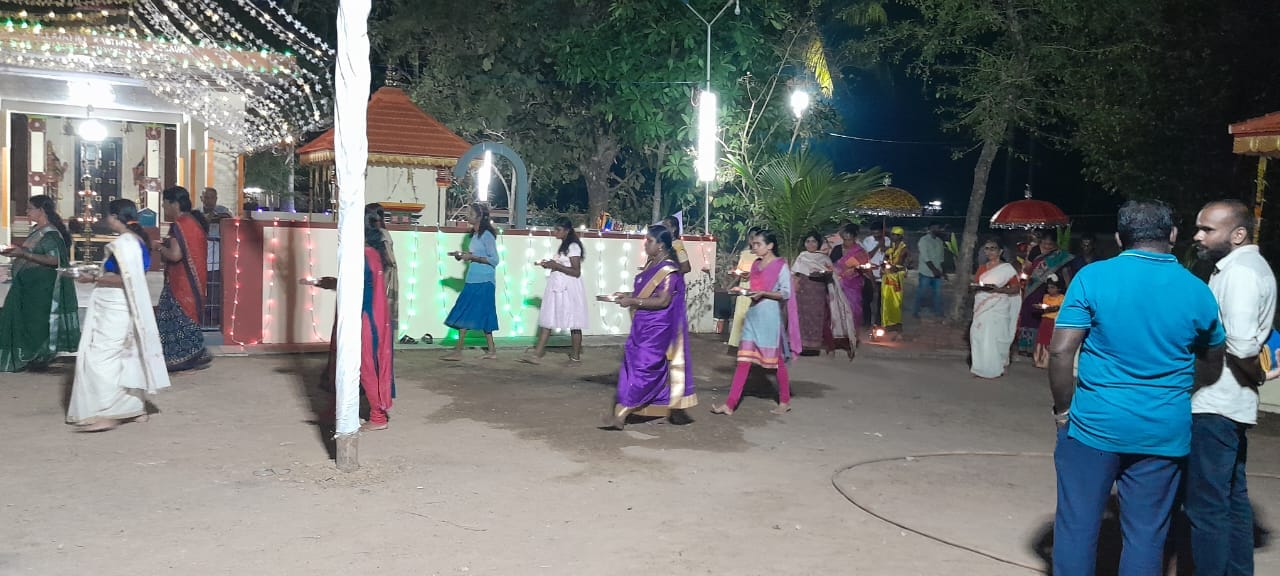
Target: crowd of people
[1153,396]
[123,335]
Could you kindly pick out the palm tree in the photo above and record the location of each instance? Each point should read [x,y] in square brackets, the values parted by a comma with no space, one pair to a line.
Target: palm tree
[800,193]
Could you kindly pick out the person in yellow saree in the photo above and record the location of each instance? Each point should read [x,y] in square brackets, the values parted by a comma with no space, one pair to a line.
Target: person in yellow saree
[120,356]
[656,377]
[895,277]
[995,313]
[40,316]
[742,303]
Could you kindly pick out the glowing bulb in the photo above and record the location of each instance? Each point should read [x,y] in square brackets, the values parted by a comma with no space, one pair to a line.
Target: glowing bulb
[91,131]
[706,163]
[484,176]
[799,103]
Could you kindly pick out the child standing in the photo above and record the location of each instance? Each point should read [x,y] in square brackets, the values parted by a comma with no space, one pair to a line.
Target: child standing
[1049,306]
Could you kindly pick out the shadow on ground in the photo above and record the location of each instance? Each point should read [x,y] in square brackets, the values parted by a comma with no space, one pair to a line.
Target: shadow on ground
[564,404]
[1110,542]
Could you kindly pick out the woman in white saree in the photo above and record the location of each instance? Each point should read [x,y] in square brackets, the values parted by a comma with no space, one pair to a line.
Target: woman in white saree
[995,314]
[120,357]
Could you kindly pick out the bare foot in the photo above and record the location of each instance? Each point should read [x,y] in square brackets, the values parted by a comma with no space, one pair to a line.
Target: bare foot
[101,425]
[490,356]
[782,409]
[530,359]
[721,409]
[454,356]
[370,426]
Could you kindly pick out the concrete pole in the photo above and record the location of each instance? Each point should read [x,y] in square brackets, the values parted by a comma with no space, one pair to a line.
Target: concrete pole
[351,141]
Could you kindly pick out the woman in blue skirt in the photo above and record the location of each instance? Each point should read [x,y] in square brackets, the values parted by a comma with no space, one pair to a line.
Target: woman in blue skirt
[475,308]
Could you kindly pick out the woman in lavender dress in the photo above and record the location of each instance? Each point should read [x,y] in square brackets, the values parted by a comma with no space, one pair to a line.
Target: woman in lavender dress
[656,377]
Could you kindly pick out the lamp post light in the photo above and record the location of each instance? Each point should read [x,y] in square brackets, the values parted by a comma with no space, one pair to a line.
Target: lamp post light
[799,105]
[484,177]
[706,164]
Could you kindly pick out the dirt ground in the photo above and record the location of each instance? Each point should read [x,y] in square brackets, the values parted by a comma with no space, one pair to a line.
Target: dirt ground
[499,468]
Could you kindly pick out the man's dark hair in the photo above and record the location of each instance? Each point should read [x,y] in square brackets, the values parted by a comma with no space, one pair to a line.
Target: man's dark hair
[1241,216]
[937,224]
[1144,222]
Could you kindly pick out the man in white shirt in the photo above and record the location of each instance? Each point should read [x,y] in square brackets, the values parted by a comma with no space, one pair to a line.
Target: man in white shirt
[876,243]
[1217,495]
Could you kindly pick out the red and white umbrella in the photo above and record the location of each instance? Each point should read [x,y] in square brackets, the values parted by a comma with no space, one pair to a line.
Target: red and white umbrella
[1029,213]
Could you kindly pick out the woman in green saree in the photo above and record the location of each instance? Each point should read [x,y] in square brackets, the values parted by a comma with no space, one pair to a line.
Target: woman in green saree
[40,316]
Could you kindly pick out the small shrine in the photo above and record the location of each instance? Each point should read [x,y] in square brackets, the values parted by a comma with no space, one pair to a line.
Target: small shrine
[411,155]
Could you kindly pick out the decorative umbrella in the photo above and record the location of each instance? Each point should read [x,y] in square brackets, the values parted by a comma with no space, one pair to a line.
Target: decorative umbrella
[888,201]
[1029,213]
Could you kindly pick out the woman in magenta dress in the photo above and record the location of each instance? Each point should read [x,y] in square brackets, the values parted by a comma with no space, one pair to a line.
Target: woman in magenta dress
[849,273]
[656,377]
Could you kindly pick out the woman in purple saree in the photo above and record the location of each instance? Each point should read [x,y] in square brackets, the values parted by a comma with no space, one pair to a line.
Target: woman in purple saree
[655,377]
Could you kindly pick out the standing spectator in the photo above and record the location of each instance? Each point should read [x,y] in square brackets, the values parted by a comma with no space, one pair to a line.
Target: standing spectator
[933,250]
[1217,493]
[213,214]
[876,244]
[1126,421]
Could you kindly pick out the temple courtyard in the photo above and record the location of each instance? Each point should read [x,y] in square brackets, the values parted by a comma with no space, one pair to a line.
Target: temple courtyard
[499,468]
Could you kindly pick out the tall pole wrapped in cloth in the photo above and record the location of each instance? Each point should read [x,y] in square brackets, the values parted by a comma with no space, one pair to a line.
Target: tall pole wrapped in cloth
[351,146]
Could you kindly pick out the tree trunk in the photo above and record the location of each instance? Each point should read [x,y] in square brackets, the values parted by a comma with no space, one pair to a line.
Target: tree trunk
[964,260]
[657,181]
[596,170]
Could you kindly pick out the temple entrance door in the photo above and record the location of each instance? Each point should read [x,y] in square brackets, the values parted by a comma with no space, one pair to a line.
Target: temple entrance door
[100,163]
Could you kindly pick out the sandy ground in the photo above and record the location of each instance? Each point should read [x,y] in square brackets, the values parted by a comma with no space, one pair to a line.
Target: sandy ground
[498,468]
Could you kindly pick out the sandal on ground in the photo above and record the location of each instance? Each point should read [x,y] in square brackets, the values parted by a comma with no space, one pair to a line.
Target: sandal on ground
[782,409]
[490,356]
[721,409]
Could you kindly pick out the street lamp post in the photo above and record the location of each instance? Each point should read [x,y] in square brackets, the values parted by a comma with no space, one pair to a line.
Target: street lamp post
[706,143]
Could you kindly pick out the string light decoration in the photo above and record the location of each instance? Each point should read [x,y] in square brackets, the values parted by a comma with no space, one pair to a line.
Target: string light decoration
[269,274]
[411,287]
[235,295]
[196,54]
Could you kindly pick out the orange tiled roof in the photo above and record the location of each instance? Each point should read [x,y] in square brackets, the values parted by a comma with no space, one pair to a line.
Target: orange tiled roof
[1262,125]
[399,133]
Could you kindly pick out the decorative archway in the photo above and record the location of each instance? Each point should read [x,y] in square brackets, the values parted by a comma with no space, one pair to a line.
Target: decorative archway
[519,216]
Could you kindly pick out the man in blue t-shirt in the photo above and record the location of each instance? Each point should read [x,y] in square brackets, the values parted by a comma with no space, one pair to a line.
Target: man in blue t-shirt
[1147,333]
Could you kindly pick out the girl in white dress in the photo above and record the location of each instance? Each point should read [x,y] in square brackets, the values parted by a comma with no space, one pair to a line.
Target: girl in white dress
[564,302]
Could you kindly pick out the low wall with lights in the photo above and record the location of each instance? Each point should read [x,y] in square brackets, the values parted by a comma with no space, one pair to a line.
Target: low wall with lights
[263,302]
